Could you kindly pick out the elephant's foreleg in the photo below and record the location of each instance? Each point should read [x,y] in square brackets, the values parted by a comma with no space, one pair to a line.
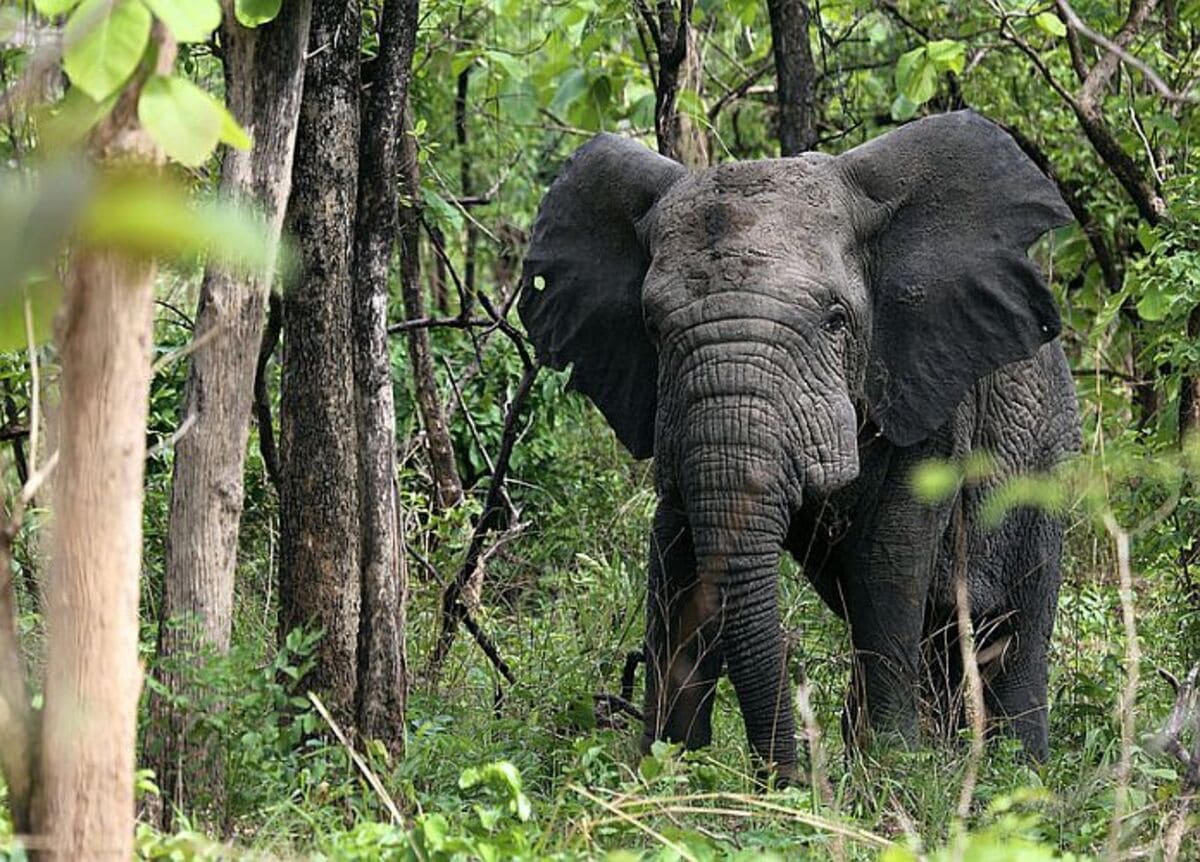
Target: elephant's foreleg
[885,565]
[1016,693]
[683,638]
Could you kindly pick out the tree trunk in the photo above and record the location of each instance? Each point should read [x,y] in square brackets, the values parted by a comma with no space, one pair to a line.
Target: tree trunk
[670,32]
[83,799]
[448,490]
[1189,387]
[93,676]
[318,495]
[264,70]
[693,139]
[381,655]
[795,74]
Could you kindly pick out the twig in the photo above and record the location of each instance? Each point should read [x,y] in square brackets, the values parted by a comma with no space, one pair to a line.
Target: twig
[966,645]
[1128,698]
[176,436]
[188,349]
[368,774]
[453,609]
[1079,26]
[262,397]
[35,388]
[1185,712]
[489,647]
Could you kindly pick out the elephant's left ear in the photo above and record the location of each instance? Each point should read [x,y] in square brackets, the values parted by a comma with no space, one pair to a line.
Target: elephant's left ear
[581,288]
[948,207]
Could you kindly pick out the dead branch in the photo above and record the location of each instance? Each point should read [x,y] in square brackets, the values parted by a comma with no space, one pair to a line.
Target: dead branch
[1184,717]
[1088,110]
[966,642]
[262,398]
[453,607]
[1137,15]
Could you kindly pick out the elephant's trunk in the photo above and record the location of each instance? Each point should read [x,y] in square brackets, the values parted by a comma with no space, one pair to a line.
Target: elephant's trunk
[737,504]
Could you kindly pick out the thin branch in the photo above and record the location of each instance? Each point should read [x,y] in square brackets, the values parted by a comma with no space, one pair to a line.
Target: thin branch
[262,397]
[1137,14]
[453,607]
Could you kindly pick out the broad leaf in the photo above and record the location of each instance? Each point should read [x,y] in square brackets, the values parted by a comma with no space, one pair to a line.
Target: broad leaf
[1051,23]
[916,76]
[103,43]
[66,123]
[150,218]
[50,8]
[254,13]
[188,20]
[947,55]
[232,132]
[183,119]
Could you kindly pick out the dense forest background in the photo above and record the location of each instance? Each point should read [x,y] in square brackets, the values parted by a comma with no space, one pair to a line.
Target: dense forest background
[358,483]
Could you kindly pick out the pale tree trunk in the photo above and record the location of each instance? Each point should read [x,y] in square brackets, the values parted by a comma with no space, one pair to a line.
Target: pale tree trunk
[382,667]
[693,137]
[795,76]
[93,677]
[264,72]
[448,490]
[318,496]
[83,798]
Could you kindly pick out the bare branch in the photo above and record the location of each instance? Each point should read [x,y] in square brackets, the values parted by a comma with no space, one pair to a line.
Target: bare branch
[1104,68]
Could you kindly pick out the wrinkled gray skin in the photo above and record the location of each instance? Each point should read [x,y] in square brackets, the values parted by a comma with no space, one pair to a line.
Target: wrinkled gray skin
[788,338]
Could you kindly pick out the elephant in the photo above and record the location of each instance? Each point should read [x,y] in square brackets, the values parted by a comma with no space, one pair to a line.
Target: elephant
[789,338]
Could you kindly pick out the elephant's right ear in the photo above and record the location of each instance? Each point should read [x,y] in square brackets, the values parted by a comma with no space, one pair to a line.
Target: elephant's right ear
[581,288]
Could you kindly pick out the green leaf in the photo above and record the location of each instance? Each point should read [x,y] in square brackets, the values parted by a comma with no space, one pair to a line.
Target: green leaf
[182,118]
[103,43]
[67,122]
[904,108]
[232,132]
[1153,305]
[444,214]
[916,76]
[188,20]
[150,218]
[934,481]
[1051,23]
[44,296]
[253,13]
[947,55]
[50,8]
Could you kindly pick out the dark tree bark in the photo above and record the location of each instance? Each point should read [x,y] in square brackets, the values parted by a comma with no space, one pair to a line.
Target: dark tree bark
[264,70]
[318,494]
[381,655]
[448,490]
[795,74]
[1189,388]
[461,93]
[668,27]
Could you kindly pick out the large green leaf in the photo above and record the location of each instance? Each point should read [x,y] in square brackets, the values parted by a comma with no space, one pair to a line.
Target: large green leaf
[188,20]
[184,120]
[66,123]
[152,218]
[103,43]
[947,55]
[49,8]
[1051,23]
[253,13]
[916,76]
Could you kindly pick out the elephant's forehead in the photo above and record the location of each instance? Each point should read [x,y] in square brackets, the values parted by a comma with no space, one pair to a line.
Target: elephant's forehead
[773,208]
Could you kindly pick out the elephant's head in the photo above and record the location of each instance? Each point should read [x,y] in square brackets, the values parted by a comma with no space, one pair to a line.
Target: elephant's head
[740,322]
[783,293]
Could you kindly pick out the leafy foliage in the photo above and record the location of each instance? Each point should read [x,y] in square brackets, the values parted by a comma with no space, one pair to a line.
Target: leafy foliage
[503,91]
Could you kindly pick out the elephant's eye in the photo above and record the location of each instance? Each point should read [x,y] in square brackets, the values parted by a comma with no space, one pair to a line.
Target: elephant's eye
[835,320]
